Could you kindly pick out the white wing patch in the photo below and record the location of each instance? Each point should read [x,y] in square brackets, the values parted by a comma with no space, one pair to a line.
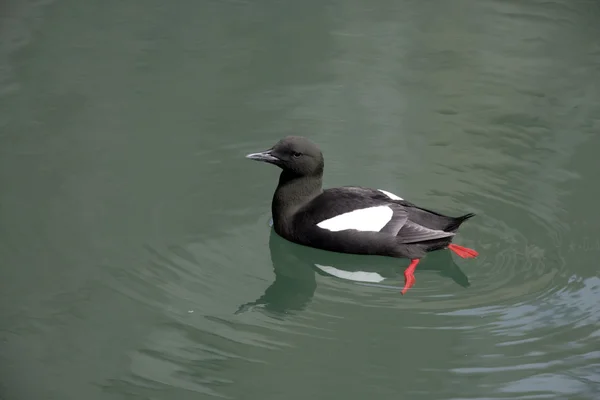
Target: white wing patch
[390,195]
[371,219]
[357,276]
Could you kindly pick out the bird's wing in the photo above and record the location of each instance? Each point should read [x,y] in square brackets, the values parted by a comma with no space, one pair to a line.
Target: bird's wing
[370,210]
[365,217]
[356,208]
[412,232]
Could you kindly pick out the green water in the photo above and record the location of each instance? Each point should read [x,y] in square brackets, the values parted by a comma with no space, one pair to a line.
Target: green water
[136,257]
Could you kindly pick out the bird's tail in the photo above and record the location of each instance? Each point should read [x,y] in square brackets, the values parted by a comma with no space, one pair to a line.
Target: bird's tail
[456,222]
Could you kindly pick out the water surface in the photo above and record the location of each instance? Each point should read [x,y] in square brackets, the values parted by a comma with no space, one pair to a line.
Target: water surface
[136,257]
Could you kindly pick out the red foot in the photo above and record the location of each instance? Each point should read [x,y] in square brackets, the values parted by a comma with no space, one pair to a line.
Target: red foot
[463,252]
[409,278]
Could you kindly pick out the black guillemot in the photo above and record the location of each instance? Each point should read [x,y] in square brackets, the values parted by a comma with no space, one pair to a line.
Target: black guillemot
[351,219]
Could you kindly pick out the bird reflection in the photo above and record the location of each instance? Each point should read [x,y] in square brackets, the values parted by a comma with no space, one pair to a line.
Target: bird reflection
[295,267]
[294,284]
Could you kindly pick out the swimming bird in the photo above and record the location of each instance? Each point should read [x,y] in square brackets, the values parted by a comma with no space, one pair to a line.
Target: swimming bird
[351,219]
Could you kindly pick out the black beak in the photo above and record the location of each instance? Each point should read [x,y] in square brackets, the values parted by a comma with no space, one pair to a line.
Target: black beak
[265,156]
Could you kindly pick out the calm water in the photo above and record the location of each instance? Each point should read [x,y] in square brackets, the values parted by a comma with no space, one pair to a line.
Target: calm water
[136,258]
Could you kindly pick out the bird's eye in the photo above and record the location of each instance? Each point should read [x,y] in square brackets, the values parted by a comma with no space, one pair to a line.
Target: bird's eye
[296,154]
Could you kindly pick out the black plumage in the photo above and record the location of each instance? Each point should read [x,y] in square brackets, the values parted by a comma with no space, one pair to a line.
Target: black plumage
[300,204]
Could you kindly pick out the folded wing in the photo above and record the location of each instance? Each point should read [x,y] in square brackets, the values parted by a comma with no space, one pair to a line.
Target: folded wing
[413,233]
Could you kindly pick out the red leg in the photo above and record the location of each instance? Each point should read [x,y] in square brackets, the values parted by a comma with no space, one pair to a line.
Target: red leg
[409,278]
[463,252]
